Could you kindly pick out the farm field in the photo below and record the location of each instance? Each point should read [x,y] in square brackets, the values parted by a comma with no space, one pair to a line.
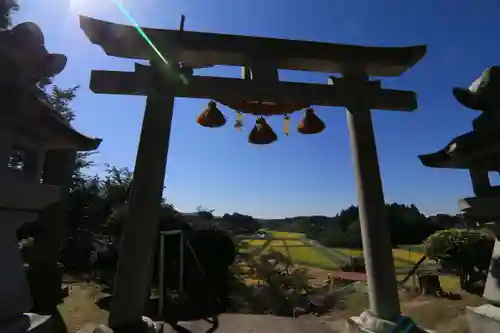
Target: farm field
[305,255]
[291,242]
[303,251]
[403,258]
[309,253]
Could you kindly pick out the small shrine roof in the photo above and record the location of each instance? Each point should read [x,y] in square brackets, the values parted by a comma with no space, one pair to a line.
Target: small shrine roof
[198,49]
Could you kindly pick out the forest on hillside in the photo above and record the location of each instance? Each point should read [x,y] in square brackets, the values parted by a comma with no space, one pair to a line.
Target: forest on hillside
[407,225]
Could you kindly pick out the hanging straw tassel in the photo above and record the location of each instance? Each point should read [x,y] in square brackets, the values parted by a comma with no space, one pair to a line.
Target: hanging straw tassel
[239,122]
[286,125]
[311,124]
[262,133]
[211,116]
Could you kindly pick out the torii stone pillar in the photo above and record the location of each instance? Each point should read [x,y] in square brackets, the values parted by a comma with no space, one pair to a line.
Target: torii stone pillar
[133,275]
[377,250]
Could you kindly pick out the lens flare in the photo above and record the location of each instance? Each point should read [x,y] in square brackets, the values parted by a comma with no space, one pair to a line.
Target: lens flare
[141,32]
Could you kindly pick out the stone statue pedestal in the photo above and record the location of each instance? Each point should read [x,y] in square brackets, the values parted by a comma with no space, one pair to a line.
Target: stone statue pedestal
[488,208]
[486,318]
[27,322]
[492,287]
[367,323]
[20,200]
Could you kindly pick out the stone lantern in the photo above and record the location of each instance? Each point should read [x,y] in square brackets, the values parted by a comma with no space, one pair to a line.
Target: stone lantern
[479,152]
[32,129]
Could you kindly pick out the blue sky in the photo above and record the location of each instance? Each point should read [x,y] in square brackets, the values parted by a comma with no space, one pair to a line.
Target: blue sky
[297,175]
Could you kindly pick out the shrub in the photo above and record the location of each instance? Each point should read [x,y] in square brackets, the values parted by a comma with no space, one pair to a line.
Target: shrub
[467,252]
[356,264]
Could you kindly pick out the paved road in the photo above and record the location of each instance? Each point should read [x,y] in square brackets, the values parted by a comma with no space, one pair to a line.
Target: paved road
[248,323]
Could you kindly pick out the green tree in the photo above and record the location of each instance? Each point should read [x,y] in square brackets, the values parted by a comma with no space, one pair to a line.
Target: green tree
[240,223]
[205,213]
[407,226]
[467,252]
[84,217]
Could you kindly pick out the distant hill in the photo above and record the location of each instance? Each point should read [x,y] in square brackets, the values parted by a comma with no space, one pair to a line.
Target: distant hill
[407,225]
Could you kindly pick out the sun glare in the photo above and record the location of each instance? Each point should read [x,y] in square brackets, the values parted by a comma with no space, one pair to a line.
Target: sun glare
[80,6]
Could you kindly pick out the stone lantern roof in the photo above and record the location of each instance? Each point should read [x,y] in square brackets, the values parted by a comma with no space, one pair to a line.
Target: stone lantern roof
[24,61]
[475,148]
[34,120]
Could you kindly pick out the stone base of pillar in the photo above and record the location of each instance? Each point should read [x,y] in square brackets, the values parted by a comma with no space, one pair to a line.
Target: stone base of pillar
[368,323]
[95,328]
[27,322]
[483,319]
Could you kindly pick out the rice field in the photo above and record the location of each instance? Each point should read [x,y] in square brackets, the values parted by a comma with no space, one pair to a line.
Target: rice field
[277,234]
[261,242]
[306,253]
[403,258]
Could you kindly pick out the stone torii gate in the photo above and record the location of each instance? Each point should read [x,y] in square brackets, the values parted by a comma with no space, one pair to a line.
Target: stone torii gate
[262,57]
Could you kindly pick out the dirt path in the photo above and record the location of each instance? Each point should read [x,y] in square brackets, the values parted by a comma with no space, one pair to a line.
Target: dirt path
[248,323]
[79,307]
[442,315]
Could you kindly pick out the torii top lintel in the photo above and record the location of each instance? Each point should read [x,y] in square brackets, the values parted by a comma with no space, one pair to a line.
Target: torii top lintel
[197,49]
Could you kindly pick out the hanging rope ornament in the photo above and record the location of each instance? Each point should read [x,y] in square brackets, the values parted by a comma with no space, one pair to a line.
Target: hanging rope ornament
[239,122]
[286,125]
[311,124]
[262,133]
[211,116]
[259,108]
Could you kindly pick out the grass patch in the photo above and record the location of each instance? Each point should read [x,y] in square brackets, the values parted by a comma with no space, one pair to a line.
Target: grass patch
[350,252]
[448,283]
[418,248]
[407,254]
